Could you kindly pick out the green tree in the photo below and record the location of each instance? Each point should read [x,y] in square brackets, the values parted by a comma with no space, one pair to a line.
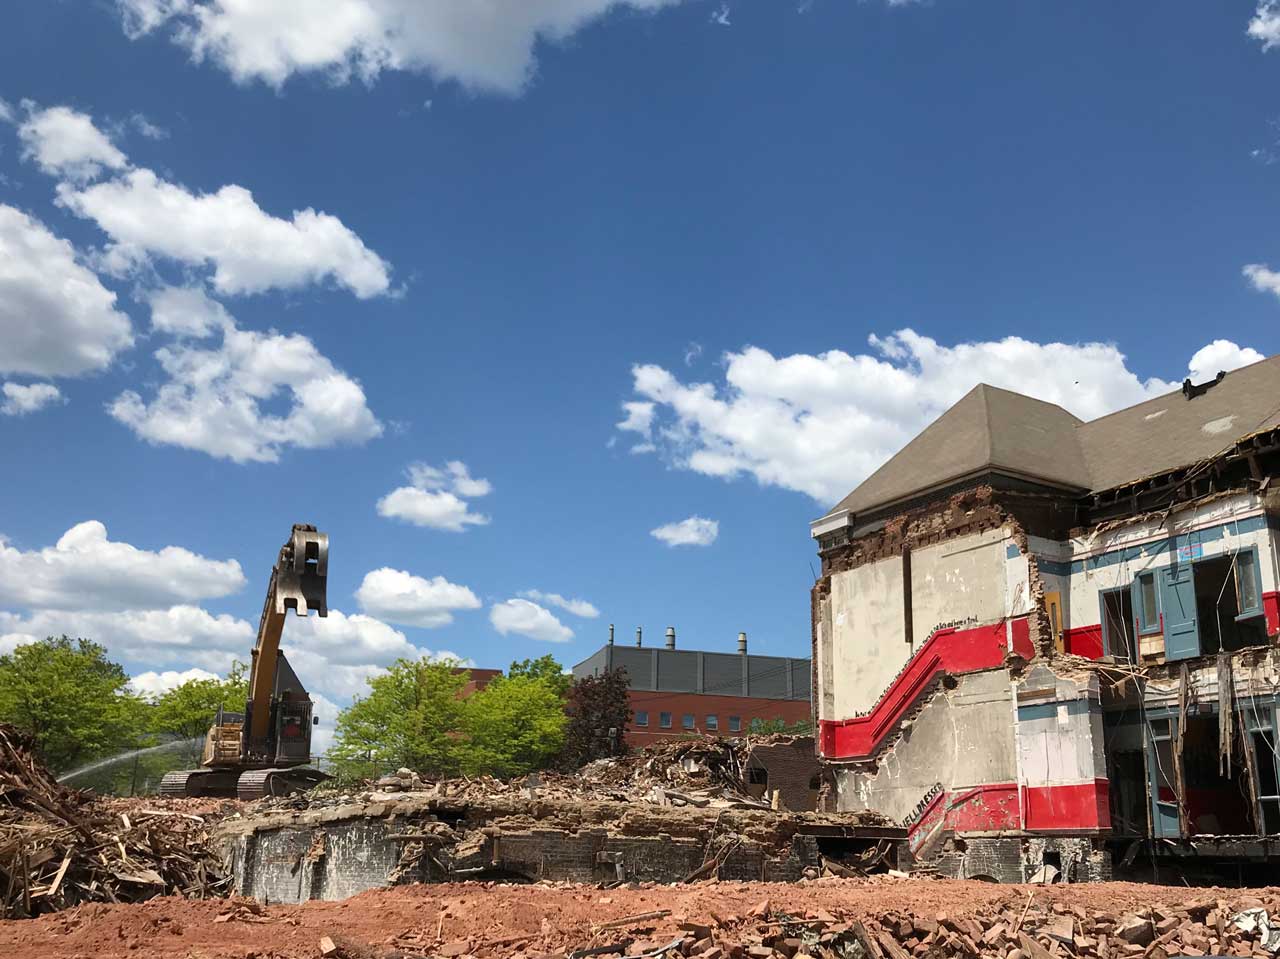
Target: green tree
[412,716]
[545,668]
[515,724]
[72,699]
[767,727]
[599,709]
[187,711]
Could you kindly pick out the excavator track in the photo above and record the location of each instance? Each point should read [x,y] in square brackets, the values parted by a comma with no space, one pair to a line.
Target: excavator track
[277,782]
[190,783]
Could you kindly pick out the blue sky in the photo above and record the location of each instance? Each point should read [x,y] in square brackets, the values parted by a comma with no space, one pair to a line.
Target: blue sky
[471,232]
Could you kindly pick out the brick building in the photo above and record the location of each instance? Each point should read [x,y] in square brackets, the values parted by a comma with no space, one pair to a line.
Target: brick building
[1039,641]
[687,692]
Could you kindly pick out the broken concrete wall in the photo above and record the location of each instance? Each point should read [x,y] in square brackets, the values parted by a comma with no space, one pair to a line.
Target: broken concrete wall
[868,636]
[961,737]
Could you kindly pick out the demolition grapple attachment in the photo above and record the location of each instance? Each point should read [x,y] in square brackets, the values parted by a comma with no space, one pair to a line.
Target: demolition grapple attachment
[301,573]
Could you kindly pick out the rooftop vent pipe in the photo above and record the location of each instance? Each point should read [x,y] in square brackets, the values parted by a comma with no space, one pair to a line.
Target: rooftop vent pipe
[638,637]
[611,634]
[671,637]
[742,643]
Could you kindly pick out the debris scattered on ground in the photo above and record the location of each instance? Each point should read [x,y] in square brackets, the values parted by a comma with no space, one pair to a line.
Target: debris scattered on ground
[60,847]
[825,919]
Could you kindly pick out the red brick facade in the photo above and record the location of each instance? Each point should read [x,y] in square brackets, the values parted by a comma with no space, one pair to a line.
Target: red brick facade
[700,706]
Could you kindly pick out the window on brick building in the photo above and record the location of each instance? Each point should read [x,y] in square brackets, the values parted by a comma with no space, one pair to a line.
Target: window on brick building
[712,721]
[735,724]
[687,720]
[642,718]
[664,720]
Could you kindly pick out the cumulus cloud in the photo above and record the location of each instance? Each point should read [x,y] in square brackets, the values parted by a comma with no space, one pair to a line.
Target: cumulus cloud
[152,683]
[694,531]
[1265,25]
[578,607]
[248,249]
[56,317]
[216,399]
[820,424]
[20,400]
[183,635]
[85,570]
[400,597]
[437,498]
[187,311]
[65,143]
[482,44]
[1220,355]
[524,618]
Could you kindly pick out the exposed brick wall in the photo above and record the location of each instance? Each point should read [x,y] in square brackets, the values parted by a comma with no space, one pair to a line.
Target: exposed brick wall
[1016,859]
[792,768]
[700,705]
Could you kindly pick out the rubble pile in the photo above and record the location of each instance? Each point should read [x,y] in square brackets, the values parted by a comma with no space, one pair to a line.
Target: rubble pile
[1199,928]
[60,847]
[700,773]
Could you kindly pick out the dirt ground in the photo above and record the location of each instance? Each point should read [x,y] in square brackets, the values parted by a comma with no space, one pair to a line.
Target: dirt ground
[534,921]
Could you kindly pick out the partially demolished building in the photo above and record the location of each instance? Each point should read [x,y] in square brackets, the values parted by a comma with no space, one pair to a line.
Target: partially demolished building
[1038,641]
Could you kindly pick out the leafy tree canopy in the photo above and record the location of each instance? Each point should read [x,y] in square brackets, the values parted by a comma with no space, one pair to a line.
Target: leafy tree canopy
[411,716]
[599,710]
[72,698]
[188,710]
[514,725]
[545,668]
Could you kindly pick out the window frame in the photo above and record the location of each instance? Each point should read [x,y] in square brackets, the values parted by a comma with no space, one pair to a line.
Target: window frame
[735,724]
[688,722]
[1256,576]
[664,720]
[642,717]
[1154,625]
[712,721]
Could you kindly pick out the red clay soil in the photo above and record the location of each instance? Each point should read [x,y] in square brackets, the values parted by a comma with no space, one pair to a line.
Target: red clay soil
[532,921]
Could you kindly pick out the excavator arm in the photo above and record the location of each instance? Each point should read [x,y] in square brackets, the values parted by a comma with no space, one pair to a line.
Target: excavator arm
[298,582]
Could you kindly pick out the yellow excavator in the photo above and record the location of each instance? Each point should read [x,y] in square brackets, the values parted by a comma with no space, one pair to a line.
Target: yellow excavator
[264,751]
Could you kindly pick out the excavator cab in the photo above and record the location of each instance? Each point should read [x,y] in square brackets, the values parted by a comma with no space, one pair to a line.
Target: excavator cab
[261,751]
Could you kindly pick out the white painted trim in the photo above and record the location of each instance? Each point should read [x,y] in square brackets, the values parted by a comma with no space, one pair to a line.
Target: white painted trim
[829,523]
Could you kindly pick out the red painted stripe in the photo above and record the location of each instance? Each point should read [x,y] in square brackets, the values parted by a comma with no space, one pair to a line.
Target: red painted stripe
[1077,806]
[1271,609]
[948,650]
[1083,641]
[1021,633]
[984,808]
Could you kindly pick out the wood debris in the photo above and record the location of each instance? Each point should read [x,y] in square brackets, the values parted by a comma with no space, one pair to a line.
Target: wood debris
[60,847]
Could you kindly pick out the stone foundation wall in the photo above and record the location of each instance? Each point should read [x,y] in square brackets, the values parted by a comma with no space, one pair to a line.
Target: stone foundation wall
[1017,859]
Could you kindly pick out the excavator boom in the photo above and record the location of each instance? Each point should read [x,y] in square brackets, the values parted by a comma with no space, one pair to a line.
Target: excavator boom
[262,751]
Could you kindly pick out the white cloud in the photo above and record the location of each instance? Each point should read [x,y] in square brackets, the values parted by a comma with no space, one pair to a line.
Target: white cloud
[1265,25]
[820,424]
[249,250]
[578,607]
[400,597]
[455,476]
[694,531]
[639,418]
[85,570]
[720,17]
[147,128]
[437,498]
[152,683]
[20,400]
[56,317]
[181,635]
[187,311]
[482,44]
[214,398]
[528,619]
[6,111]
[65,143]
[1220,355]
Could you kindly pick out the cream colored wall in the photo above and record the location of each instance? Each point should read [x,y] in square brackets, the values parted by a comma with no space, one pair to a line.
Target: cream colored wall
[960,581]
[868,642]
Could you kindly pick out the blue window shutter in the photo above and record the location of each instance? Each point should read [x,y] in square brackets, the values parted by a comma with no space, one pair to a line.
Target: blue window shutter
[1178,604]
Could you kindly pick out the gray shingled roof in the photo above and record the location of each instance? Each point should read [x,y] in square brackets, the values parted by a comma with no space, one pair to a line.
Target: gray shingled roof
[991,429]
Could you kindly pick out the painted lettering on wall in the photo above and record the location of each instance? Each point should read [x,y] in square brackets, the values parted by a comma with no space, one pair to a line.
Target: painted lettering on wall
[954,624]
